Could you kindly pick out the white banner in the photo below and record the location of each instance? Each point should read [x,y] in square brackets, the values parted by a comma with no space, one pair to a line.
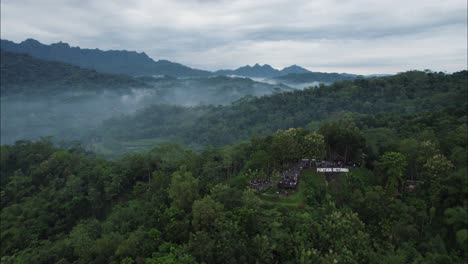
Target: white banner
[332,170]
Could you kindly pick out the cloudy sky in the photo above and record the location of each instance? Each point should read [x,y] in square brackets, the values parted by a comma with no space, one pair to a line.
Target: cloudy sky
[356,36]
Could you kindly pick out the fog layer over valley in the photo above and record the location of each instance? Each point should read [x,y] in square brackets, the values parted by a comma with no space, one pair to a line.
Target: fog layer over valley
[219,90]
[65,116]
[407,93]
[112,114]
[46,98]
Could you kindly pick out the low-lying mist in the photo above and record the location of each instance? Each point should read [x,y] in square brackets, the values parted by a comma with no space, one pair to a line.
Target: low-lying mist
[64,116]
[71,115]
[295,85]
[219,90]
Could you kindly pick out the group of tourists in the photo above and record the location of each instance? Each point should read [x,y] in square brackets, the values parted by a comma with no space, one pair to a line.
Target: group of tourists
[290,177]
[336,164]
[259,184]
[329,164]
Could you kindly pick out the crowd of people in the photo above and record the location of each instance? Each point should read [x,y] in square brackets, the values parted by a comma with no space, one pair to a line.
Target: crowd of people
[259,184]
[336,164]
[290,177]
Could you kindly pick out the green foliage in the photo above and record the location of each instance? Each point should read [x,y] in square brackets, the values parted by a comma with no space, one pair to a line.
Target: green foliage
[393,165]
[67,207]
[183,189]
[344,238]
[435,170]
[296,143]
[173,205]
[205,212]
[314,146]
[344,140]
[379,99]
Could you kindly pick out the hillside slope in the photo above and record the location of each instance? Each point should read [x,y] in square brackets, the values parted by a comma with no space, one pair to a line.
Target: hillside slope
[406,93]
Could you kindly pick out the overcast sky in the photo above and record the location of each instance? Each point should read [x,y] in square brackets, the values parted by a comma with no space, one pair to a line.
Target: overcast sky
[356,36]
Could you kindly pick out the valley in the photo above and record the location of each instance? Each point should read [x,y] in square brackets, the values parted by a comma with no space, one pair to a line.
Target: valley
[112,155]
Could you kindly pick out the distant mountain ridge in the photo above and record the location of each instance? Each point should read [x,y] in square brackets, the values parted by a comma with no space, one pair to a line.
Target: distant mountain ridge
[140,64]
[22,73]
[262,71]
[111,61]
[289,75]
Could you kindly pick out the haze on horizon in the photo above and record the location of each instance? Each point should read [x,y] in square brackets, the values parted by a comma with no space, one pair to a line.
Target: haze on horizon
[355,36]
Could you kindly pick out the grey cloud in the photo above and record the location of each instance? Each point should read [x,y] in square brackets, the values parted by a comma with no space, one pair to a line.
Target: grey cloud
[212,34]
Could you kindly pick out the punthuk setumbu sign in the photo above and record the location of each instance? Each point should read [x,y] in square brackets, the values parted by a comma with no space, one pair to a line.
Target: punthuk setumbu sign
[332,170]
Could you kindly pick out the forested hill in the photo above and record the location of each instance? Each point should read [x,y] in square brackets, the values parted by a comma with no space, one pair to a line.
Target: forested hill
[22,73]
[173,205]
[112,61]
[404,202]
[405,93]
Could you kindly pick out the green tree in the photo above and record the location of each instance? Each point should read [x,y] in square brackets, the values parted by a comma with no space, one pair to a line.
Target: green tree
[286,146]
[314,146]
[393,165]
[435,170]
[343,138]
[205,212]
[457,218]
[82,238]
[183,189]
[344,239]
